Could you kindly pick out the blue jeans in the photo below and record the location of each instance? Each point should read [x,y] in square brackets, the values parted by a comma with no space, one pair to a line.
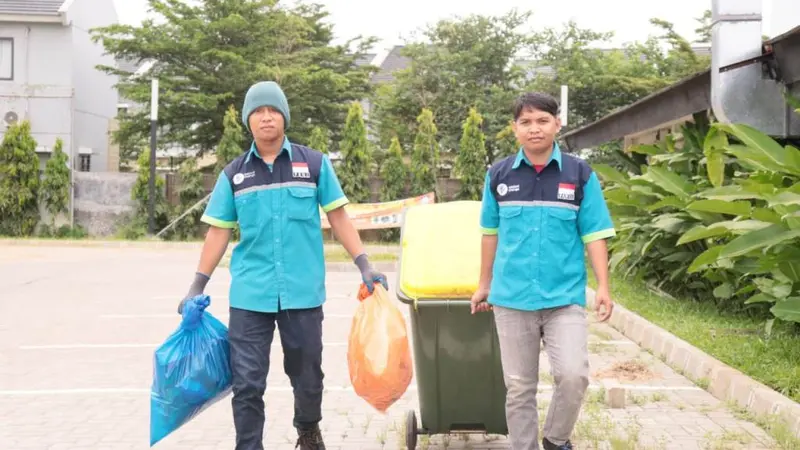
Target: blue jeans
[250,335]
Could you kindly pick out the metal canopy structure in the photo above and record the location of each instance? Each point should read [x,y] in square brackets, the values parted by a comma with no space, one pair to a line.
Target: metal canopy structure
[781,56]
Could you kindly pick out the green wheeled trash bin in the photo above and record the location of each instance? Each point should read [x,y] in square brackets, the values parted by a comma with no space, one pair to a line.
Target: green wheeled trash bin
[456,354]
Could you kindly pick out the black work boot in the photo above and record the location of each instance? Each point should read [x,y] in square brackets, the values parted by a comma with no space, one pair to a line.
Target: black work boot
[550,446]
[310,439]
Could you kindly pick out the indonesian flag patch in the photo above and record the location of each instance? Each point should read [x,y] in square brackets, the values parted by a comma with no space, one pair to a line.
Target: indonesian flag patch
[566,191]
[300,170]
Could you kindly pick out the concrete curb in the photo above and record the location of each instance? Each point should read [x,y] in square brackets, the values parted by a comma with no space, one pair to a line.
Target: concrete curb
[720,380]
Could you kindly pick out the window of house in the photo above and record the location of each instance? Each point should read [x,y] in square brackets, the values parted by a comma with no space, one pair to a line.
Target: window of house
[86,163]
[6,59]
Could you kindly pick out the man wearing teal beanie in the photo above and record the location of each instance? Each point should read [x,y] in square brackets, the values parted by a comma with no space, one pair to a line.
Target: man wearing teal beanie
[273,193]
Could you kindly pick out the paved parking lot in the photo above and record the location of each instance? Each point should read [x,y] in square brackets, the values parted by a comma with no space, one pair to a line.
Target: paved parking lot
[78,327]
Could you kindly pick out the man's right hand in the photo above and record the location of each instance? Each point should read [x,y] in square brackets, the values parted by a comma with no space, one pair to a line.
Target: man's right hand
[197,288]
[478,301]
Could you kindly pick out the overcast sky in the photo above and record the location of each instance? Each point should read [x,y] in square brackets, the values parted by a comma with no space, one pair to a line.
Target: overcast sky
[391,20]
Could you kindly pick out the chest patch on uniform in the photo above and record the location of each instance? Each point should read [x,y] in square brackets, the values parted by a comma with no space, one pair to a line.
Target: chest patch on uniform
[239,177]
[300,170]
[566,191]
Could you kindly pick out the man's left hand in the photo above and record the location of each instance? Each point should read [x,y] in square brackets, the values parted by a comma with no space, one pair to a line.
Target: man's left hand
[369,275]
[603,305]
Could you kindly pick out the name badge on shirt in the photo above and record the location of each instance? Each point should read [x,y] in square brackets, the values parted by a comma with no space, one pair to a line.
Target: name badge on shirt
[566,191]
[300,170]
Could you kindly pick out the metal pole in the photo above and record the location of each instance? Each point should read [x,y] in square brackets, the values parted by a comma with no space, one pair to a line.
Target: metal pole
[152,182]
[564,106]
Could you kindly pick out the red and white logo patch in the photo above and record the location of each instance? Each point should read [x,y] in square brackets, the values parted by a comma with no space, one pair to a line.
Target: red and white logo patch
[300,170]
[566,191]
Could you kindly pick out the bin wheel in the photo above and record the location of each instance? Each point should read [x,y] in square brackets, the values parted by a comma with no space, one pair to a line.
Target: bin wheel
[411,430]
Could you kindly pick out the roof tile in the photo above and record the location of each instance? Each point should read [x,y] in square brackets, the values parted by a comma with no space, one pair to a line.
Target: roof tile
[31,7]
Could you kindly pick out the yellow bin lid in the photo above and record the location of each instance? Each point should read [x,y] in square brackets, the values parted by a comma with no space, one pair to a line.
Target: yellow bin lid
[441,251]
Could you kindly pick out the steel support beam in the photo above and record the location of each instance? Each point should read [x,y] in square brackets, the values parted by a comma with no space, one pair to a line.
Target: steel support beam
[687,97]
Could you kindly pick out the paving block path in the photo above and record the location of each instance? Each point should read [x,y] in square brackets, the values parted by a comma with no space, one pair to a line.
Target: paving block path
[79,326]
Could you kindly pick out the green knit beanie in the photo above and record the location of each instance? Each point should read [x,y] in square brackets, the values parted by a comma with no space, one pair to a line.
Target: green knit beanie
[265,93]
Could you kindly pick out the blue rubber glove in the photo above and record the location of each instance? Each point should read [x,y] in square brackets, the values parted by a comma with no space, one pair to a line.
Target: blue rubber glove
[369,275]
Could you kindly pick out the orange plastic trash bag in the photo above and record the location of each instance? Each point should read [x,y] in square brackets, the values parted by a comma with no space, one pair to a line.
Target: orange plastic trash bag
[378,353]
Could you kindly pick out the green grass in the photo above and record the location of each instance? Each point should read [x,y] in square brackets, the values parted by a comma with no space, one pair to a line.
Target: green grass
[341,255]
[737,341]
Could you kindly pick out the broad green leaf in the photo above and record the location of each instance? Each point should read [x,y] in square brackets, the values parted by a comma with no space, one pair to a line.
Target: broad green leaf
[749,266]
[788,310]
[714,148]
[700,232]
[646,149]
[722,207]
[667,201]
[791,270]
[646,190]
[730,193]
[721,228]
[787,160]
[705,217]
[753,159]
[616,259]
[704,259]
[671,182]
[678,257]
[760,298]
[624,196]
[746,290]
[723,291]
[610,174]
[715,164]
[758,239]
[765,215]
[768,327]
[668,224]
[784,198]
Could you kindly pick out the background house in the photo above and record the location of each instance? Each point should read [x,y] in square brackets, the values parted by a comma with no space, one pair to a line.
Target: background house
[48,76]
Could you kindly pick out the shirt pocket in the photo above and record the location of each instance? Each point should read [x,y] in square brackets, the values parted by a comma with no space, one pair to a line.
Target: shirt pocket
[562,224]
[511,226]
[302,203]
[249,211]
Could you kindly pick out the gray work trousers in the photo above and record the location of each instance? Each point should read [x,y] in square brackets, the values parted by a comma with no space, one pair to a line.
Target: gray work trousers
[564,332]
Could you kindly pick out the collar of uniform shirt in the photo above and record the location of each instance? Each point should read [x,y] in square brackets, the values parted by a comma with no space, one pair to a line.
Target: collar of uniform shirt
[556,155]
[287,147]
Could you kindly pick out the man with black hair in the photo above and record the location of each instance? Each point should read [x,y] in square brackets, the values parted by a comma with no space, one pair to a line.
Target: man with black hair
[540,210]
[273,192]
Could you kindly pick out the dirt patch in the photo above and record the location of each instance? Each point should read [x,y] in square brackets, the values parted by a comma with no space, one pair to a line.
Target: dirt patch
[632,370]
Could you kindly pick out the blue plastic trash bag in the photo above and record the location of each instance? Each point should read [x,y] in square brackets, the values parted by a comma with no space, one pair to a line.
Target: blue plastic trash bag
[191,370]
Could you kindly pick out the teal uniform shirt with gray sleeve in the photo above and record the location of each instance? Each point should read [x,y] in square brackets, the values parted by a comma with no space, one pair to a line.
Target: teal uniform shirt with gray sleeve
[279,261]
[542,218]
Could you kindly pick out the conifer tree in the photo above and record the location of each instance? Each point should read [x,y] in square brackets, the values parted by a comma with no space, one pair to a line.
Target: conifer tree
[471,159]
[19,181]
[356,159]
[231,144]
[55,185]
[319,139]
[425,158]
[394,173]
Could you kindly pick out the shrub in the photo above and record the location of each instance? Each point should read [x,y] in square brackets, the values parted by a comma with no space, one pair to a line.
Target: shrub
[718,218]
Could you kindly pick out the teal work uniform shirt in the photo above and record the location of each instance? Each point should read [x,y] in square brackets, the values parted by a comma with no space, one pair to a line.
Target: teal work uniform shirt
[279,261]
[543,217]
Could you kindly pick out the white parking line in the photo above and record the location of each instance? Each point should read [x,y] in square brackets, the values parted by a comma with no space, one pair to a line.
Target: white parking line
[412,387]
[275,342]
